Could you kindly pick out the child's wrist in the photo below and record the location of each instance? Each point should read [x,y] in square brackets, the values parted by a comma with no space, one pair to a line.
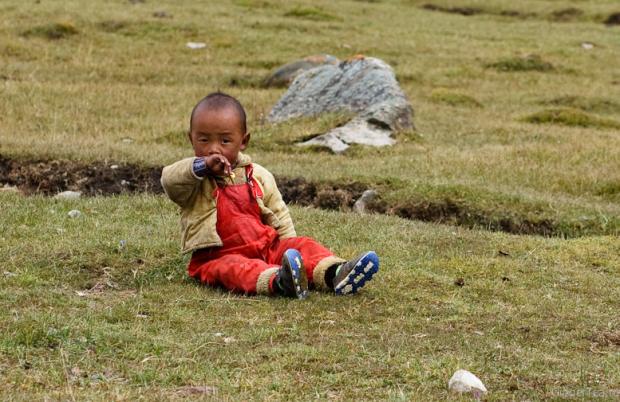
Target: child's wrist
[200,168]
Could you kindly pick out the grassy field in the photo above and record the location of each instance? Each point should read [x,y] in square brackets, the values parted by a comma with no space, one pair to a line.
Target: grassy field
[516,119]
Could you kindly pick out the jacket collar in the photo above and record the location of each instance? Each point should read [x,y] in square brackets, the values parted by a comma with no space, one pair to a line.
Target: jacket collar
[243,160]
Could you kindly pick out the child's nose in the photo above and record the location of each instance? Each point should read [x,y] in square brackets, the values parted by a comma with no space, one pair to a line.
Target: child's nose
[214,149]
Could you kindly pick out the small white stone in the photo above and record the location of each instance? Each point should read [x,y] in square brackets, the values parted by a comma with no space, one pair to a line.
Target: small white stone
[196,45]
[229,339]
[127,140]
[113,167]
[68,195]
[124,182]
[218,334]
[587,45]
[74,213]
[463,381]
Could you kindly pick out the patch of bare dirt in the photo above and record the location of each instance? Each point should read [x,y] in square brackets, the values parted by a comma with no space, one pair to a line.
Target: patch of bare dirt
[450,212]
[100,178]
[566,14]
[613,19]
[469,11]
[193,390]
[321,195]
[606,338]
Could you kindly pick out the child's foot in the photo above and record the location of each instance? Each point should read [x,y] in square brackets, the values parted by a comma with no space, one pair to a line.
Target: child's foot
[291,280]
[353,274]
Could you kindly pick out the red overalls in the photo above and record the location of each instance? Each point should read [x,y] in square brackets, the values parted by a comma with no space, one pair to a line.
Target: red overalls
[249,246]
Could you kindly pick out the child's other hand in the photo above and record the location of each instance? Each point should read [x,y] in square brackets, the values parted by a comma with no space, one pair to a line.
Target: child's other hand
[218,165]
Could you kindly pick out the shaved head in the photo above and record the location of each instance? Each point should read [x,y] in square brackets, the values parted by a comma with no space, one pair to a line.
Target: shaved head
[219,101]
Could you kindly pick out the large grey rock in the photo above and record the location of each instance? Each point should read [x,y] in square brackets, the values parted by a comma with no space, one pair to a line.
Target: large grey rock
[284,75]
[365,86]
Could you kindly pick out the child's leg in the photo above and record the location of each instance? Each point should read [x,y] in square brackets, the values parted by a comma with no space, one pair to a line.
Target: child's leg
[316,257]
[235,273]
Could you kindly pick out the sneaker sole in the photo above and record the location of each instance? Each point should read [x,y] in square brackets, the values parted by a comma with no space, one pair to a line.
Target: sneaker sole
[361,273]
[298,272]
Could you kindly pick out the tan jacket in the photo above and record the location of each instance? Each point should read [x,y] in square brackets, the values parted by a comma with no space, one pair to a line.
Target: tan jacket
[198,209]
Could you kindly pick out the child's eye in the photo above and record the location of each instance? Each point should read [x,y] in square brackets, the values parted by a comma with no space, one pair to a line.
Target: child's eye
[225,141]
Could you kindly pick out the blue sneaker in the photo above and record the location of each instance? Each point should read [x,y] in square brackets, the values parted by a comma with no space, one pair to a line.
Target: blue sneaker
[291,280]
[353,274]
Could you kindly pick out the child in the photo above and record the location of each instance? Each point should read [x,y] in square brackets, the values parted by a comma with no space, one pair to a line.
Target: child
[235,223]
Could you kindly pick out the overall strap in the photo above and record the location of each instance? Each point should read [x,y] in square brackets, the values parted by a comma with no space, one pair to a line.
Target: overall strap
[249,174]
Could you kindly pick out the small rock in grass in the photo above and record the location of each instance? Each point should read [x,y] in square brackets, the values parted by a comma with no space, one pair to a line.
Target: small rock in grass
[463,381]
[460,282]
[362,202]
[587,45]
[113,167]
[229,339]
[127,140]
[74,213]
[196,45]
[68,195]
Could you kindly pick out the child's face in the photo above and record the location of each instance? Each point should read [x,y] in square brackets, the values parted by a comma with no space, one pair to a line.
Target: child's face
[218,131]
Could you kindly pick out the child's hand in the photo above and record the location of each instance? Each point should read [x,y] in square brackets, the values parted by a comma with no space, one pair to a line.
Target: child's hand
[218,165]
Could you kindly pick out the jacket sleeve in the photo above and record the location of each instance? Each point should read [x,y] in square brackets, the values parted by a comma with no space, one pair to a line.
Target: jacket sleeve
[273,201]
[179,181]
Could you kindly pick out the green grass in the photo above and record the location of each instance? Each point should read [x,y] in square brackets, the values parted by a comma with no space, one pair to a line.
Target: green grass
[310,13]
[596,104]
[454,99]
[57,30]
[151,330]
[76,82]
[572,117]
[526,63]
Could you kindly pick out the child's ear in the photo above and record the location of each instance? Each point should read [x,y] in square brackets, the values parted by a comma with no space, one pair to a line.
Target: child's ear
[189,136]
[245,141]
